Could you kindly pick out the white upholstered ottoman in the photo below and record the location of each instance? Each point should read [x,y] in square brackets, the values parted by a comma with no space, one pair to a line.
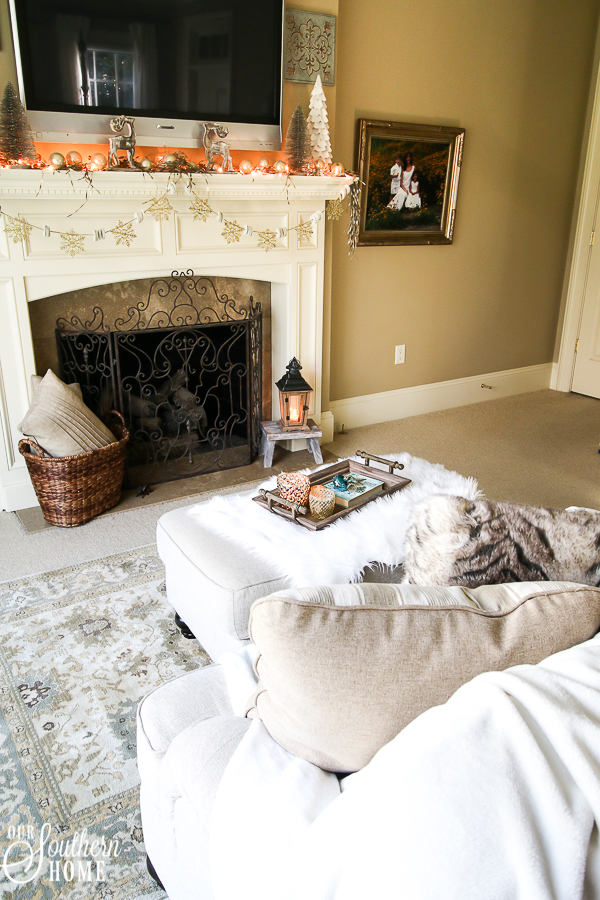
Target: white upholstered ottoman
[211,582]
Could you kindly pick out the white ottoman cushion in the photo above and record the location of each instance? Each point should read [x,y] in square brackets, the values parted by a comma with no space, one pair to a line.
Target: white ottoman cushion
[211,582]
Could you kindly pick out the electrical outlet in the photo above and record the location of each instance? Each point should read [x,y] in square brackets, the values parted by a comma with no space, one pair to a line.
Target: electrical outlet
[400,354]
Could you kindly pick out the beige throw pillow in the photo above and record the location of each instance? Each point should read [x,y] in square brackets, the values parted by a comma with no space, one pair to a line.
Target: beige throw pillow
[344,669]
[60,422]
[36,380]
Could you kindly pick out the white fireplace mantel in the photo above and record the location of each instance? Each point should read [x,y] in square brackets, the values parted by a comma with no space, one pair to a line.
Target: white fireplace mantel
[39,267]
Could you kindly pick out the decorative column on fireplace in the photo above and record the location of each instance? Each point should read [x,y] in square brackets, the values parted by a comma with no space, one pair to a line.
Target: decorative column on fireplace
[184,367]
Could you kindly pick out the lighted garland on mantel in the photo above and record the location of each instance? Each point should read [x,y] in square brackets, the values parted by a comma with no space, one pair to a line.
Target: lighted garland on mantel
[72,242]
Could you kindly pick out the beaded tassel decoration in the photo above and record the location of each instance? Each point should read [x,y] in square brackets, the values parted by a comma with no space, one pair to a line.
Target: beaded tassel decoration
[354,225]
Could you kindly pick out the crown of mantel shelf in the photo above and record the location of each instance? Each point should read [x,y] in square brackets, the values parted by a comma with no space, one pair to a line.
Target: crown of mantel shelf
[44,185]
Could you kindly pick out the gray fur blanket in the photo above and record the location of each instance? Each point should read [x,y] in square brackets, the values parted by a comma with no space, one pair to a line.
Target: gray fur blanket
[455,541]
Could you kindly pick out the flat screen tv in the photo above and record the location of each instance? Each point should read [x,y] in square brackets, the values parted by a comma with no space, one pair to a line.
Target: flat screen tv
[169,63]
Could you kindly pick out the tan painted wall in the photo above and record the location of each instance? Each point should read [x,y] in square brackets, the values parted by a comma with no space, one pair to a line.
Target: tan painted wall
[516,75]
[8,70]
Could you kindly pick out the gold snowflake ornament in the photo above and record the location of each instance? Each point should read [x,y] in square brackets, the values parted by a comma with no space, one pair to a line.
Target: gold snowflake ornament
[267,240]
[160,208]
[335,210]
[123,233]
[72,243]
[231,232]
[17,229]
[305,231]
[200,209]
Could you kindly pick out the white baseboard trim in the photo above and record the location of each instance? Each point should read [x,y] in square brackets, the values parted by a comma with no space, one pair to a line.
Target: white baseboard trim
[554,377]
[18,496]
[372,409]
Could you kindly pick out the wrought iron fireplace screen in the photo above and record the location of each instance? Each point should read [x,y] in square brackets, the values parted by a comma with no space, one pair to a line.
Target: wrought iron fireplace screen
[184,367]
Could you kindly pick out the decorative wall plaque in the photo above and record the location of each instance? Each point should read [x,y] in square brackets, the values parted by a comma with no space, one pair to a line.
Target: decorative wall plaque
[309,46]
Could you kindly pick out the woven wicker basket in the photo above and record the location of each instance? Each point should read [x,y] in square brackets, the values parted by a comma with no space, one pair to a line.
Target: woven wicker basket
[73,489]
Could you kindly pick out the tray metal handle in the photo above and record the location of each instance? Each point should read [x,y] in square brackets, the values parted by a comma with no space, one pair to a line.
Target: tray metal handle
[275,498]
[386,462]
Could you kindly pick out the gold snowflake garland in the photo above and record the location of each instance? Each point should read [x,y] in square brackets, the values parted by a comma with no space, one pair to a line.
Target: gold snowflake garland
[305,231]
[160,208]
[335,210]
[231,232]
[123,233]
[200,209]
[18,229]
[267,240]
[72,243]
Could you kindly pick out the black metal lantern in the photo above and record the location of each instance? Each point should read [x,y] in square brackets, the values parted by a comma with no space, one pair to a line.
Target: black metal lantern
[293,398]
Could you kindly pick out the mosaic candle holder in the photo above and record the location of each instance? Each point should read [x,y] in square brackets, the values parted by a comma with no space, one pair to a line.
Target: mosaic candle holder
[294,486]
[321,501]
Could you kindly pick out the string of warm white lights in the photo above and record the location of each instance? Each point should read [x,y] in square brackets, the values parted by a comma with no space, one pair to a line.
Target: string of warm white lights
[73,242]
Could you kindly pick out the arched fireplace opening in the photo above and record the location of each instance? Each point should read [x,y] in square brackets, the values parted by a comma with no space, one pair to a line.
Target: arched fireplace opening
[183,364]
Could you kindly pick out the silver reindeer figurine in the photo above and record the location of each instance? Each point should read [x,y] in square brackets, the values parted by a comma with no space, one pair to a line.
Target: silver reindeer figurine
[213,147]
[121,140]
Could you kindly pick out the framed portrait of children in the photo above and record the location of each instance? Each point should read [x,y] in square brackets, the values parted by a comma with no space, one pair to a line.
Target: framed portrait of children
[409,176]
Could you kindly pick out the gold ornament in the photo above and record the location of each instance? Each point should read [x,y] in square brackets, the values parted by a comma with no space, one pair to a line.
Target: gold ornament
[56,160]
[245,167]
[169,160]
[73,158]
[146,164]
[200,209]
[335,210]
[160,208]
[123,233]
[72,243]
[18,229]
[263,163]
[267,240]
[98,161]
[280,166]
[305,231]
[231,232]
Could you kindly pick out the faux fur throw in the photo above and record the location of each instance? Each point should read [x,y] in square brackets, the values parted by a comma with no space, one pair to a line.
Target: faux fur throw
[339,553]
[456,541]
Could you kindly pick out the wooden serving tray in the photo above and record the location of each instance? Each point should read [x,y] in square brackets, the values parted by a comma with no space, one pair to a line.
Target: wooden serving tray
[391,484]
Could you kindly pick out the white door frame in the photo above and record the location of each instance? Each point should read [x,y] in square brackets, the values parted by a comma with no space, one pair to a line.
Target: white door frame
[579,263]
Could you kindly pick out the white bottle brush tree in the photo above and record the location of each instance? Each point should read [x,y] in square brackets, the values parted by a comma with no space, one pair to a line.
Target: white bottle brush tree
[318,125]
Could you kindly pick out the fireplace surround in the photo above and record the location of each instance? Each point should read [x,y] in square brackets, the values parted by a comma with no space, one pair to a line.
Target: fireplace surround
[38,268]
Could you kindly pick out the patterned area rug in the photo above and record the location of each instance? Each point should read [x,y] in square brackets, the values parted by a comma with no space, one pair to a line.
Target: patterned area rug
[79,648]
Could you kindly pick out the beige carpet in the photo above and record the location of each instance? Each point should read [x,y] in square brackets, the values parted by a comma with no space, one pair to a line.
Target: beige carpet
[539,448]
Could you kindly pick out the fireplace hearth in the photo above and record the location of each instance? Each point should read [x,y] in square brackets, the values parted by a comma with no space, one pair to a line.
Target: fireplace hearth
[183,366]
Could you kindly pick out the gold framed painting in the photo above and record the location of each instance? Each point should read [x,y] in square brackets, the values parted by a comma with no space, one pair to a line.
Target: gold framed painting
[409,182]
